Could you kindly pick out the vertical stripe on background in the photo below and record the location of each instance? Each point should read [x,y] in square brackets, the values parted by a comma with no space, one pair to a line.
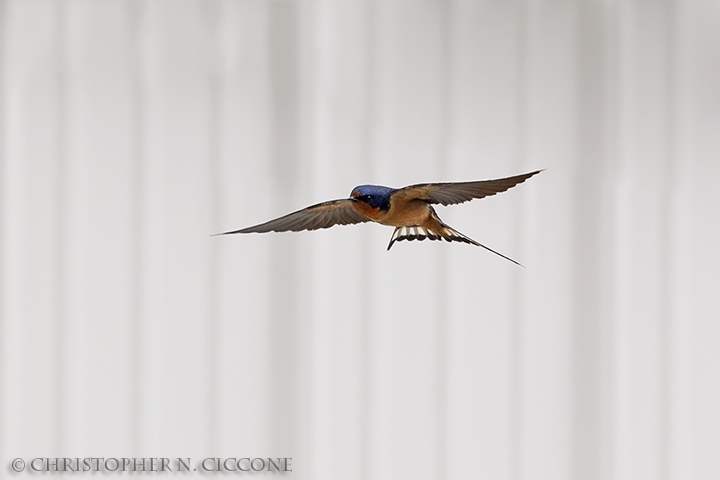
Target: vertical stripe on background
[3,202]
[668,188]
[59,224]
[212,11]
[519,164]
[285,91]
[590,232]
[641,248]
[176,226]
[547,318]
[134,20]
[30,244]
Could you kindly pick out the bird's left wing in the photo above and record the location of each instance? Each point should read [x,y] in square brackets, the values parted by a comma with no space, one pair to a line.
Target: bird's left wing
[459,192]
[322,215]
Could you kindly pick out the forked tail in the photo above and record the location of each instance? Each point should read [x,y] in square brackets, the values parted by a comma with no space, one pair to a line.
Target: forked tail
[442,232]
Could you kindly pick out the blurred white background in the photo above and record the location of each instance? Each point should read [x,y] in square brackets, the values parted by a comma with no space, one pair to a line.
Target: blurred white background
[132,130]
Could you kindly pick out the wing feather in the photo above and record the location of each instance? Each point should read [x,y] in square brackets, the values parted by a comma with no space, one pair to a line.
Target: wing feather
[321,215]
[459,192]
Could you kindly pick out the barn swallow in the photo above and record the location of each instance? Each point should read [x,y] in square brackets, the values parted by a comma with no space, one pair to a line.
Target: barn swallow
[408,209]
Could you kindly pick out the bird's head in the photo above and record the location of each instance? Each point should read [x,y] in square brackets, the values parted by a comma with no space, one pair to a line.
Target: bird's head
[373,195]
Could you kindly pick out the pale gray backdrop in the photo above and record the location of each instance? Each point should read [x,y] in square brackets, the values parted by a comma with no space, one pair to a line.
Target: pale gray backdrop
[131,130]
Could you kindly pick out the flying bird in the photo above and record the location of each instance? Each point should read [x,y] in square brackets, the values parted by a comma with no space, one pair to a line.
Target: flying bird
[408,209]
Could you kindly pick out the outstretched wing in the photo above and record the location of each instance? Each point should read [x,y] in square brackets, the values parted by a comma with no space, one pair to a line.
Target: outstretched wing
[322,215]
[459,192]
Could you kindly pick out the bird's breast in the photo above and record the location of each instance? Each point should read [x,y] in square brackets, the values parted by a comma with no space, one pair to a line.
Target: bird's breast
[406,213]
[374,214]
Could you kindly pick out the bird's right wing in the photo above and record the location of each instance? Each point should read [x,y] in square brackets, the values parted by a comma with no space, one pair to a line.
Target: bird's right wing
[322,215]
[459,192]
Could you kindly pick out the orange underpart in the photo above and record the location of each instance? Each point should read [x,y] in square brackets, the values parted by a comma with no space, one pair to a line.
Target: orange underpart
[367,210]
